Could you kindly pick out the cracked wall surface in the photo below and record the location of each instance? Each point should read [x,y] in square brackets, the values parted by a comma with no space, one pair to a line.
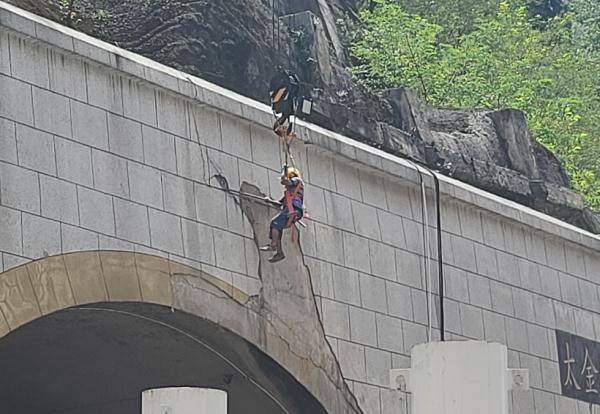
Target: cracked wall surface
[102,150]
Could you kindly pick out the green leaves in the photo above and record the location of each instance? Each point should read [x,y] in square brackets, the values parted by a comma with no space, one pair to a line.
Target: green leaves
[501,60]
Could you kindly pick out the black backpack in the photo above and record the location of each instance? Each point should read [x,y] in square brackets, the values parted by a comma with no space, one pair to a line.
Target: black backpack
[283,91]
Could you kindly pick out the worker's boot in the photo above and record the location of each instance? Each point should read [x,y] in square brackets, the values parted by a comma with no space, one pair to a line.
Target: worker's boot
[276,243]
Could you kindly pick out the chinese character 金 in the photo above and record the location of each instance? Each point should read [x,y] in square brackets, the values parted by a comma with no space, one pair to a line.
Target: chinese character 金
[571,381]
[589,371]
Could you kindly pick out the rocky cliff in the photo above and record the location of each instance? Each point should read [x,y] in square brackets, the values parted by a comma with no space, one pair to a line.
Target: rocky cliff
[239,43]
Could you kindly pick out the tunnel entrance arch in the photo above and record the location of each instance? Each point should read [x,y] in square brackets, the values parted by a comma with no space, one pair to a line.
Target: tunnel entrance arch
[98,358]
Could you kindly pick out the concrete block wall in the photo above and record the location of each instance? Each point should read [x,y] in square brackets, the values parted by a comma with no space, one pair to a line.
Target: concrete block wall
[103,149]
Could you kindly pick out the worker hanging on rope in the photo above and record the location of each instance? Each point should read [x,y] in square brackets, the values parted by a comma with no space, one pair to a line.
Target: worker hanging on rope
[292,210]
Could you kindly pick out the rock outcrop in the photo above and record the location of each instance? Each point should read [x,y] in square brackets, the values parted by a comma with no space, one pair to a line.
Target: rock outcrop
[238,44]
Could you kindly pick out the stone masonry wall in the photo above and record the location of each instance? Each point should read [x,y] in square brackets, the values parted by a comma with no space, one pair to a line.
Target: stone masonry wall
[103,149]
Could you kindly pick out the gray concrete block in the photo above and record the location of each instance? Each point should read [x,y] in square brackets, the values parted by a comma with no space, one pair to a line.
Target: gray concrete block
[159,149]
[366,221]
[486,261]
[532,363]
[346,286]
[4,54]
[372,293]
[10,261]
[59,200]
[544,311]
[329,244]
[516,335]
[179,196]
[263,140]
[378,365]
[394,402]
[589,295]
[90,125]
[57,120]
[413,335]
[321,171]
[464,253]
[339,211]
[356,252]
[508,268]
[373,189]
[74,162]
[191,160]
[398,198]
[472,321]
[523,301]
[29,61]
[363,329]
[493,235]
[389,333]
[236,137]
[392,229]
[479,291]
[125,137]
[11,240]
[419,302]
[383,260]
[67,75]
[453,322]
[530,275]
[535,247]
[538,340]
[75,239]
[413,234]
[19,188]
[8,142]
[165,232]
[575,260]
[198,242]
[336,319]
[15,100]
[172,114]
[399,300]
[145,185]
[544,402]
[96,211]
[105,89]
[139,101]
[409,268]
[456,284]
[110,173]
[226,165]
[565,319]
[470,223]
[229,250]
[584,323]
[555,253]
[36,150]
[493,327]
[550,376]
[41,237]
[514,236]
[347,179]
[132,221]
[205,126]
[549,282]
[110,243]
[569,286]
[352,360]
[211,206]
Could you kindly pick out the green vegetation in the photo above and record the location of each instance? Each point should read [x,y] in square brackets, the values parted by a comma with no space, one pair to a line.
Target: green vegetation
[483,53]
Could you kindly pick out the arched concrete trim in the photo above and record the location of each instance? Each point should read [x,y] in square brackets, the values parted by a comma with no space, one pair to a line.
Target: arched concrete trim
[54,283]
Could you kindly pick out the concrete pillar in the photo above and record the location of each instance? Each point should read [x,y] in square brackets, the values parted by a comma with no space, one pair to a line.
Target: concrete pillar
[462,377]
[184,400]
